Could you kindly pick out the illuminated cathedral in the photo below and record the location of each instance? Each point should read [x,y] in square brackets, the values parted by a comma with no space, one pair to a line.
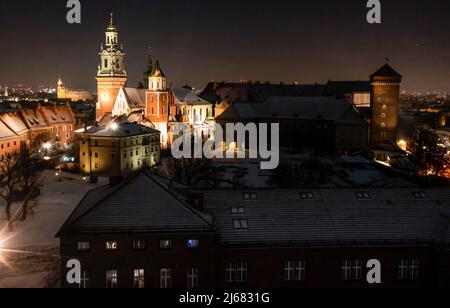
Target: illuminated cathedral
[156,104]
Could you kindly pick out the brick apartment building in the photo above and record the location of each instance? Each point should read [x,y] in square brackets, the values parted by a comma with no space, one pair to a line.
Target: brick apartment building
[32,128]
[140,234]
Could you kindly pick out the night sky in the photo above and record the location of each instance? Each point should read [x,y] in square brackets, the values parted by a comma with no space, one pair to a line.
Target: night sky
[202,40]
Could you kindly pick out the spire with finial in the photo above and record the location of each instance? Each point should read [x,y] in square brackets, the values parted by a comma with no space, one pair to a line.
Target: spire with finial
[111,26]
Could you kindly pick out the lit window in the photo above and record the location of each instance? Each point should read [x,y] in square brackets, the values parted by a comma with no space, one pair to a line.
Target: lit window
[192,278]
[139,278]
[307,196]
[250,196]
[84,246]
[192,243]
[139,245]
[111,245]
[294,271]
[241,272]
[166,278]
[384,107]
[240,223]
[362,195]
[111,279]
[165,244]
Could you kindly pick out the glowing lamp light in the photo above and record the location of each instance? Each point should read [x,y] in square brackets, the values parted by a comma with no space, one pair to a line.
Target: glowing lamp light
[47,145]
[114,126]
[57,174]
[402,144]
[47,158]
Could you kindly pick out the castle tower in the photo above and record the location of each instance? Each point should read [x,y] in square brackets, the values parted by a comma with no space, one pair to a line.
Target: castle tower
[111,75]
[61,90]
[385,106]
[158,101]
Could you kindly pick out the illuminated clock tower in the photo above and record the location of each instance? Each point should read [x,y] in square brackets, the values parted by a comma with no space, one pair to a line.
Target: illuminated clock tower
[111,74]
[385,106]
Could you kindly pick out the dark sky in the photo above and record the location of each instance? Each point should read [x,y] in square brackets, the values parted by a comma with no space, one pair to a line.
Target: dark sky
[202,40]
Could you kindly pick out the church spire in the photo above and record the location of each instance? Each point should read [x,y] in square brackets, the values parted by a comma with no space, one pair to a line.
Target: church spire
[149,69]
[111,27]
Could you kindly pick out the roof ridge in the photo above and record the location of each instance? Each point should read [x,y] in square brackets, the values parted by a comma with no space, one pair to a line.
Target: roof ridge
[194,211]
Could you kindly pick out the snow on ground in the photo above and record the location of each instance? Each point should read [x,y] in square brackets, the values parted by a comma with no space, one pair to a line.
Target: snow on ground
[37,263]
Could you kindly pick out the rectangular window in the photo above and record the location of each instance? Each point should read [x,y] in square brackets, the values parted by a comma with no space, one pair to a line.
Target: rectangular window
[111,245]
[351,270]
[165,244]
[96,154]
[113,155]
[139,245]
[166,278]
[84,246]
[85,282]
[139,279]
[230,272]
[408,269]
[111,279]
[192,243]
[294,271]
[192,278]
[241,272]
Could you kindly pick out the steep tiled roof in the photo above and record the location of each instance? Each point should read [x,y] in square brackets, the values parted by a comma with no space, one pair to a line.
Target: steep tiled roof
[386,71]
[34,118]
[125,129]
[188,97]
[58,115]
[140,204]
[135,97]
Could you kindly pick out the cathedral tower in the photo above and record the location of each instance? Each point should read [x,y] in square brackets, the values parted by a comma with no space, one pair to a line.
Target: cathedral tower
[111,75]
[61,91]
[159,101]
[385,106]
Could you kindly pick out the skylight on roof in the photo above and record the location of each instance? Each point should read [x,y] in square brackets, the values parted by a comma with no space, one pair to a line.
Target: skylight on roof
[250,196]
[238,210]
[307,196]
[420,195]
[362,195]
[240,224]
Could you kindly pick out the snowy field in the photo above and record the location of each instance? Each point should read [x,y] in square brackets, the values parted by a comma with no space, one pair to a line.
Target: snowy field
[29,255]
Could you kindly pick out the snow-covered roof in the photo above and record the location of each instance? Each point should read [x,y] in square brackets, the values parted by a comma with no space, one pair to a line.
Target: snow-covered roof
[125,130]
[136,97]
[6,133]
[14,121]
[185,96]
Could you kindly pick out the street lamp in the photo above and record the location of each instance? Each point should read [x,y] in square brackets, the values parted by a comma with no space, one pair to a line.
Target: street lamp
[114,126]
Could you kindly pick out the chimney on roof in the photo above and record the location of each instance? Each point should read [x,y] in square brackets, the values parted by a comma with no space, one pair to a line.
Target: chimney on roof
[196,201]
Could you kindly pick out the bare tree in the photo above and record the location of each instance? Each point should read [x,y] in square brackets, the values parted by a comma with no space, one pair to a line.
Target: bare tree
[10,179]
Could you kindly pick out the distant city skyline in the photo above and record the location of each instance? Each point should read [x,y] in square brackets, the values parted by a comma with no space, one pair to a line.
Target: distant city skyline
[228,40]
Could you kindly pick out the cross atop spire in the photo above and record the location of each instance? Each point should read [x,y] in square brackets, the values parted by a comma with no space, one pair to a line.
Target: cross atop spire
[111,26]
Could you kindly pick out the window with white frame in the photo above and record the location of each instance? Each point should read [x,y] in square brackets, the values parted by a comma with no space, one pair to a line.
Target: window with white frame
[139,278]
[351,270]
[166,278]
[111,279]
[83,246]
[294,270]
[362,195]
[139,245]
[241,272]
[230,272]
[165,244]
[238,210]
[408,269]
[192,278]
[85,282]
